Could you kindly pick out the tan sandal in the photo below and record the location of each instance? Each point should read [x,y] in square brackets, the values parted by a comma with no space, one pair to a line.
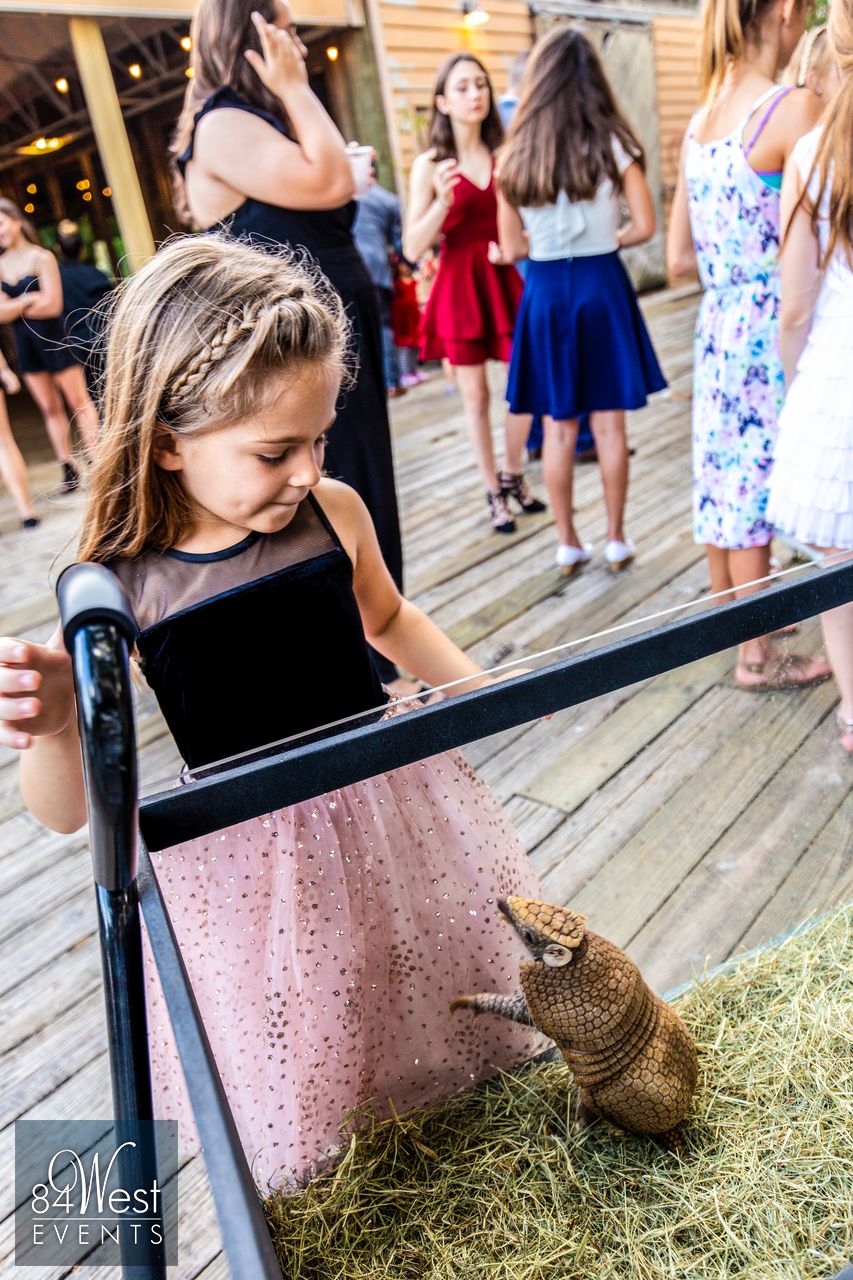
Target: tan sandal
[783,672]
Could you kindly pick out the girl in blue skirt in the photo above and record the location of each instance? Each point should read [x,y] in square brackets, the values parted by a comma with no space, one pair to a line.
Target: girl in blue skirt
[581,346]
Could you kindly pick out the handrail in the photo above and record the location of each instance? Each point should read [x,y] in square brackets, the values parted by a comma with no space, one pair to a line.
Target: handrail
[302,771]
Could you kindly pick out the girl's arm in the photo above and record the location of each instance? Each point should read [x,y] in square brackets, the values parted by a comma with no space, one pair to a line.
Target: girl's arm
[37,716]
[13,308]
[680,249]
[312,172]
[430,199]
[511,233]
[45,302]
[800,266]
[640,226]
[392,624]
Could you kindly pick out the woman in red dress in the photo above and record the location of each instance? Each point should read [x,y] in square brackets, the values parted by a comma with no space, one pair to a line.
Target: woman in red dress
[470,315]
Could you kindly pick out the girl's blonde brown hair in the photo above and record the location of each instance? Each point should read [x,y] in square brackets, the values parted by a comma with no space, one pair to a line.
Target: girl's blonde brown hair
[727,28]
[197,339]
[561,136]
[833,162]
[811,54]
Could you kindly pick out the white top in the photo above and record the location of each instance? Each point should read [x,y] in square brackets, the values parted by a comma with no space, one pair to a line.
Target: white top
[577,228]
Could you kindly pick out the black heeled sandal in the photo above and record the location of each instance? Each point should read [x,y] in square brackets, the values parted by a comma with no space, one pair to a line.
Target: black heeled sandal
[515,487]
[502,521]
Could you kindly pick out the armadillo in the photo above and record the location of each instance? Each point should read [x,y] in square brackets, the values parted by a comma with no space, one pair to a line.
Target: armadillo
[630,1054]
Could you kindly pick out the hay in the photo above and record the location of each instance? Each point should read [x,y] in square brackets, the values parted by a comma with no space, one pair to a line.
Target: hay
[492,1185]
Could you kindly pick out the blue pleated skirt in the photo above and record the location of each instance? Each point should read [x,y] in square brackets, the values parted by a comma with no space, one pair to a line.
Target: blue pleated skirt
[580,343]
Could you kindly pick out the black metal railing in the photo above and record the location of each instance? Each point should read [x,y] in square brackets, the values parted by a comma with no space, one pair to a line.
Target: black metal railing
[98,628]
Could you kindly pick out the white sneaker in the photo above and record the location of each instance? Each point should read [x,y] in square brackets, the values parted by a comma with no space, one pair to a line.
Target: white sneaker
[568,559]
[619,554]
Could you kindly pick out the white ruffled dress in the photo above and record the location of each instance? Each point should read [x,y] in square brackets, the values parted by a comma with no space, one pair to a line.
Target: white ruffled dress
[811,487]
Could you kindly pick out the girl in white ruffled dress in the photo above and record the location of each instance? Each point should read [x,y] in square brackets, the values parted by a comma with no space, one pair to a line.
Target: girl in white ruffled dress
[811,489]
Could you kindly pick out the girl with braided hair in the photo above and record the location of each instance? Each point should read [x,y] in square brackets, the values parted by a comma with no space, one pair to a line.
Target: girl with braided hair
[325,941]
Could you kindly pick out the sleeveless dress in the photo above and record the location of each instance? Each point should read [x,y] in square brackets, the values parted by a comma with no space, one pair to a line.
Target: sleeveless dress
[738,385]
[41,345]
[359,448]
[325,941]
[470,314]
[811,489]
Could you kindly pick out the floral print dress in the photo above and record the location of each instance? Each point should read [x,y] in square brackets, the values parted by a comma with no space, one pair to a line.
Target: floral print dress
[739,385]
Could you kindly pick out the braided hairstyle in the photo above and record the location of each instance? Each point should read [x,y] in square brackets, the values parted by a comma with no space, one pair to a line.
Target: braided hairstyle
[199,338]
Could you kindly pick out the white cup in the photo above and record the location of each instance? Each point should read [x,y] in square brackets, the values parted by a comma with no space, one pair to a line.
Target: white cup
[360,159]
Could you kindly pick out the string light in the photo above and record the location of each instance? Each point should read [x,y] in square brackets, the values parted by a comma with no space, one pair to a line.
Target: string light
[332,53]
[134,70]
[189,72]
[186,43]
[107,191]
[61,85]
[29,208]
[41,143]
[32,189]
[87,195]
[84,184]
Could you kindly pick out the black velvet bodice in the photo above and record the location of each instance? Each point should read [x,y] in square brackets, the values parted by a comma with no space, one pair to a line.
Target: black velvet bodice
[246,646]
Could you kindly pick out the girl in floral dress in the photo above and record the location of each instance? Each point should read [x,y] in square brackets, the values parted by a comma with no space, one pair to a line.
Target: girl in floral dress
[725,221]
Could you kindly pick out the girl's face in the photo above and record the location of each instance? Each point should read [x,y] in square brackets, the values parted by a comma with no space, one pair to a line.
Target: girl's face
[10,231]
[466,96]
[250,476]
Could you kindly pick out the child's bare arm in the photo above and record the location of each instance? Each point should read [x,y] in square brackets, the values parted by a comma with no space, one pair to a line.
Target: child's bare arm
[393,625]
[680,249]
[800,272]
[38,717]
[641,211]
[511,232]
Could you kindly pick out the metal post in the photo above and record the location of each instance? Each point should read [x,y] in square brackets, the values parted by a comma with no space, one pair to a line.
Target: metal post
[98,627]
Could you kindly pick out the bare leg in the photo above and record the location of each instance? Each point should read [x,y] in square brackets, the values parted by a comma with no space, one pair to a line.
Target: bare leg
[837,627]
[745,565]
[608,429]
[72,383]
[516,431]
[558,464]
[13,469]
[718,567]
[474,389]
[51,408]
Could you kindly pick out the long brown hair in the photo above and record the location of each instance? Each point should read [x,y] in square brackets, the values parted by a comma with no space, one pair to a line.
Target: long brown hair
[222,31]
[199,337]
[561,137]
[12,211]
[440,136]
[727,27]
[833,162]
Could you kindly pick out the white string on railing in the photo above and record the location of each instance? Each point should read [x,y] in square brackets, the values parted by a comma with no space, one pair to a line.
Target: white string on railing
[508,667]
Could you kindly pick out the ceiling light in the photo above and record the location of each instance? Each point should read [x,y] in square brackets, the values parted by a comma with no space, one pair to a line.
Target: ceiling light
[332,53]
[473,15]
[134,70]
[186,43]
[61,85]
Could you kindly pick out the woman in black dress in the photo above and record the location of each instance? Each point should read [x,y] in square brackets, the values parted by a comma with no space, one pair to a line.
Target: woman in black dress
[257,154]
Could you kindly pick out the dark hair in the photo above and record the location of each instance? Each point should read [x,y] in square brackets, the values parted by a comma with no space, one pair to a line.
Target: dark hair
[70,243]
[440,136]
[12,211]
[222,31]
[561,137]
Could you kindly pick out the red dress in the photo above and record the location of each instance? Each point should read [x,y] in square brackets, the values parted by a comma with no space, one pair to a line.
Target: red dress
[470,314]
[406,314]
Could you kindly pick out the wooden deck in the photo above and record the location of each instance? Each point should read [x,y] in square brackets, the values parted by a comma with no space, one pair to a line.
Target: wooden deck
[686,819]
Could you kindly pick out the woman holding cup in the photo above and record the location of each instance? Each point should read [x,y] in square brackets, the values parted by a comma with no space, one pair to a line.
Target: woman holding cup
[257,155]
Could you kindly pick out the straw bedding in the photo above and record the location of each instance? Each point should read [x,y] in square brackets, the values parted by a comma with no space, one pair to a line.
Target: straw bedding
[496,1184]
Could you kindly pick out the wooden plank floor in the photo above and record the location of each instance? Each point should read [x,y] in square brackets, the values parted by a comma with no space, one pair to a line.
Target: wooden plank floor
[685,818]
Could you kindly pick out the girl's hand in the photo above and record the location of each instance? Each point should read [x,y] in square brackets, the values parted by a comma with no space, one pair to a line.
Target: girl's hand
[281,63]
[496,256]
[9,380]
[26,670]
[444,180]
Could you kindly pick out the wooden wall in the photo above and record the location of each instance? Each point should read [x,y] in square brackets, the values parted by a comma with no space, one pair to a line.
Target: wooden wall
[676,55]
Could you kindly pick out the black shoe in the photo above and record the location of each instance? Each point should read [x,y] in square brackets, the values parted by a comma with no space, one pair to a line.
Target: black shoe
[502,521]
[516,487]
[30,522]
[70,478]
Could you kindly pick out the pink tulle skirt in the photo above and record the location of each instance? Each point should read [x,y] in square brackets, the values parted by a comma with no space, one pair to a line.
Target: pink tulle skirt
[324,944]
